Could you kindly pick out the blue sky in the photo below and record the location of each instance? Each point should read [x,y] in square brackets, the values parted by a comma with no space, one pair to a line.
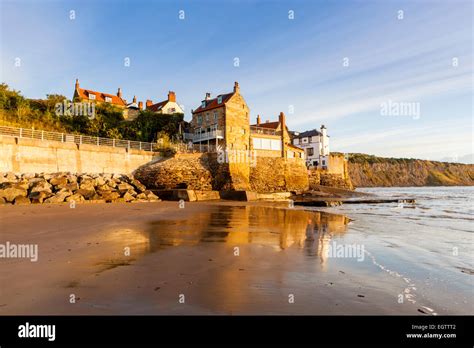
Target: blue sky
[284,64]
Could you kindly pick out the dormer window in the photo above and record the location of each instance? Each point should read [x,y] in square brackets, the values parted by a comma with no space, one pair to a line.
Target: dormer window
[91,96]
[108,100]
[203,105]
[219,99]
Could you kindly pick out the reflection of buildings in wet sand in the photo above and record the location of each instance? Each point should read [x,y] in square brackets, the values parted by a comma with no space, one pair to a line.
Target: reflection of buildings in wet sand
[280,228]
[234,226]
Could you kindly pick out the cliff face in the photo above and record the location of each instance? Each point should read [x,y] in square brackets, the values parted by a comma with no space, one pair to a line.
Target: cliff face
[370,171]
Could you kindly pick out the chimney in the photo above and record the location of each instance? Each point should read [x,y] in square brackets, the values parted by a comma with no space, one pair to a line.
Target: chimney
[119,92]
[258,120]
[134,98]
[172,96]
[148,103]
[77,83]
[282,120]
[323,130]
[140,105]
[208,96]
[236,87]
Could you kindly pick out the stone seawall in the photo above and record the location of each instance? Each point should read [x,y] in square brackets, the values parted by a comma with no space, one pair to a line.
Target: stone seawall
[204,172]
[23,155]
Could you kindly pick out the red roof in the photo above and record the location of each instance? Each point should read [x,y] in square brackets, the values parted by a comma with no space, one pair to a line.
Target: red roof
[100,97]
[212,103]
[271,125]
[157,107]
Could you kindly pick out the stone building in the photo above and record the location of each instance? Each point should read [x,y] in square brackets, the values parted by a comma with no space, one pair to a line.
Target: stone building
[224,122]
[168,106]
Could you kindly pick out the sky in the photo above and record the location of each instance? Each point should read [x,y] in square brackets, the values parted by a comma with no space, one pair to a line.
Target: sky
[389,78]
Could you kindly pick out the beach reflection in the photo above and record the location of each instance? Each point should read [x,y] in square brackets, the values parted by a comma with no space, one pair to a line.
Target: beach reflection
[277,228]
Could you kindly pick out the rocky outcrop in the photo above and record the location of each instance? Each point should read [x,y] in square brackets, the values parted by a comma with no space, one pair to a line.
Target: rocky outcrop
[371,171]
[67,187]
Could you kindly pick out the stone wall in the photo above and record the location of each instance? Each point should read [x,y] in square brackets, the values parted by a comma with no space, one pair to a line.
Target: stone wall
[23,155]
[337,174]
[272,174]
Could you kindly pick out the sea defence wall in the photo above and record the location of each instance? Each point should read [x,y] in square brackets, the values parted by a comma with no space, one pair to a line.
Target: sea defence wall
[336,175]
[25,155]
[205,172]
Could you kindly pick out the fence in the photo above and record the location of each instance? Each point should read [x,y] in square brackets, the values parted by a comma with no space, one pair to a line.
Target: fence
[84,139]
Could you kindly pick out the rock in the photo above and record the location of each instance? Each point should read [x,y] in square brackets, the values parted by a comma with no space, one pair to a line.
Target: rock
[109,196]
[20,200]
[151,196]
[41,186]
[88,194]
[59,197]
[124,187]
[23,183]
[13,191]
[87,184]
[3,200]
[39,196]
[141,196]
[71,186]
[128,197]
[57,181]
[11,177]
[99,181]
[76,197]
[138,185]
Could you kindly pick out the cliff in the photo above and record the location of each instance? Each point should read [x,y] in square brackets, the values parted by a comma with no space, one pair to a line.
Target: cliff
[368,171]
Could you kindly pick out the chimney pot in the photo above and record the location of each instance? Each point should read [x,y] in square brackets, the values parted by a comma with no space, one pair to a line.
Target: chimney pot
[208,96]
[119,92]
[172,96]
[258,120]
[236,87]
[134,98]
[140,105]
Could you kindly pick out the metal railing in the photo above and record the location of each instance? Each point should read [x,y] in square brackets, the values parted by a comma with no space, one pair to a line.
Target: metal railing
[208,135]
[77,138]
[263,130]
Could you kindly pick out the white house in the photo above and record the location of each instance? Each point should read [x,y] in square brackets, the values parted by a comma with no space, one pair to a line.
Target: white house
[168,106]
[316,146]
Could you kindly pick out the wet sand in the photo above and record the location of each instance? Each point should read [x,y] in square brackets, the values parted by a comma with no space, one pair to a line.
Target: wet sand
[281,266]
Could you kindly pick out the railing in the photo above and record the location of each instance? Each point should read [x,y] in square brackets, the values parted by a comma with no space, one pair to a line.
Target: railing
[263,130]
[76,138]
[208,135]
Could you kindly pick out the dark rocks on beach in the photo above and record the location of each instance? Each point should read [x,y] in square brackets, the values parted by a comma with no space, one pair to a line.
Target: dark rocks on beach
[67,187]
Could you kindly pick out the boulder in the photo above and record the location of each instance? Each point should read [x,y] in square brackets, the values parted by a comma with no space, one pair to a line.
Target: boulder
[59,180]
[124,187]
[128,197]
[12,191]
[151,196]
[59,197]
[76,197]
[20,200]
[39,196]
[109,196]
[3,200]
[87,194]
[138,185]
[42,185]
[87,184]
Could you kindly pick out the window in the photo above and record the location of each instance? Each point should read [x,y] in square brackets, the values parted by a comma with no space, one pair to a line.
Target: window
[171,110]
[215,116]
[108,99]
[296,141]
[203,105]
[242,131]
[310,151]
[324,162]
[304,140]
[219,99]
[207,117]
[199,119]
[91,96]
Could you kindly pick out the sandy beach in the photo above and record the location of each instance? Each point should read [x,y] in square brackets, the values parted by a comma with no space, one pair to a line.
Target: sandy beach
[205,258]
